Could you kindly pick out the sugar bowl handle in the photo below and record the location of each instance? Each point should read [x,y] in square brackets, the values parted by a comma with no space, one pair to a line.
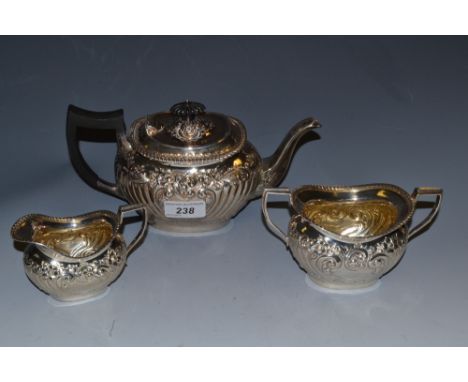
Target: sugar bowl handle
[141,233]
[437,192]
[273,227]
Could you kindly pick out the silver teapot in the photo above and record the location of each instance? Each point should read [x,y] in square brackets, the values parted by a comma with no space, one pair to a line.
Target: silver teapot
[192,169]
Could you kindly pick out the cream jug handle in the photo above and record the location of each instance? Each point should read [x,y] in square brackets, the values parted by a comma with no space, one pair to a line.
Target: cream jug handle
[273,227]
[435,209]
[105,126]
[141,233]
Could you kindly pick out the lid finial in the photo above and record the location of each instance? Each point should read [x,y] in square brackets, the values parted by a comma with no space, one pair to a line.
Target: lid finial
[188,109]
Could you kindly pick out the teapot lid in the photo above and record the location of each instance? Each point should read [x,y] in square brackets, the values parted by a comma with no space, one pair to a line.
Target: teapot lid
[187,136]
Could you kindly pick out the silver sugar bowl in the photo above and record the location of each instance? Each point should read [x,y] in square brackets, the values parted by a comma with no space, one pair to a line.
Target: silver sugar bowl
[348,237]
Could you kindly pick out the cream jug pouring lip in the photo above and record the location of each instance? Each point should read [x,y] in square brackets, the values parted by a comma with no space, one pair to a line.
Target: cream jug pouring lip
[25,229]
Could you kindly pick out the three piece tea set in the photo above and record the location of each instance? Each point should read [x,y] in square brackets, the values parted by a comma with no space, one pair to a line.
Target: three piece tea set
[190,171]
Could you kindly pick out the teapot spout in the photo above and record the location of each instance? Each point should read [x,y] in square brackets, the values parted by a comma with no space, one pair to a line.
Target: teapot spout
[274,167]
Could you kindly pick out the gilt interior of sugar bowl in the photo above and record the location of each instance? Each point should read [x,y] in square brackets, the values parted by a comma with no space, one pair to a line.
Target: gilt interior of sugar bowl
[354,213]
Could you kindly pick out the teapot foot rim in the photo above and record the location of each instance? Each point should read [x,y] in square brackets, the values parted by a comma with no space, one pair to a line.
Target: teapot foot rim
[217,228]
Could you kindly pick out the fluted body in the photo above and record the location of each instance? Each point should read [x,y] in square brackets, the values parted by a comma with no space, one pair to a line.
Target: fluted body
[224,188]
